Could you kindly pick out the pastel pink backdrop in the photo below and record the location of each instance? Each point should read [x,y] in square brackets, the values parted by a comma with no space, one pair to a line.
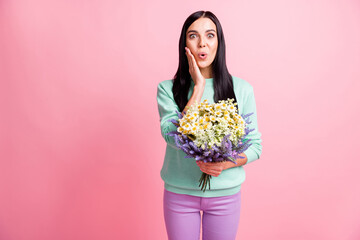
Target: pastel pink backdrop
[80,143]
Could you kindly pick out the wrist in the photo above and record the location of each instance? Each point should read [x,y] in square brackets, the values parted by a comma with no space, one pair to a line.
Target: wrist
[228,164]
[197,94]
[199,88]
[239,162]
[200,81]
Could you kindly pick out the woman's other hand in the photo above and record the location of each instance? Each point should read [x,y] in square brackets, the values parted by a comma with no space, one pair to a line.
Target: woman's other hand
[212,168]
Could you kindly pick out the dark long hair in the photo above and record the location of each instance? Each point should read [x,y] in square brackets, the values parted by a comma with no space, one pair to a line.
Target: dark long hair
[223,84]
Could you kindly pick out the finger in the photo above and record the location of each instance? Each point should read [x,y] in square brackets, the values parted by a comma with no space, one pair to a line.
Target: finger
[193,60]
[215,173]
[209,169]
[213,170]
[187,51]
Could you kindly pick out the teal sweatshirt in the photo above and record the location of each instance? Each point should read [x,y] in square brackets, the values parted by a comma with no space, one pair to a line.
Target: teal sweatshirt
[181,175]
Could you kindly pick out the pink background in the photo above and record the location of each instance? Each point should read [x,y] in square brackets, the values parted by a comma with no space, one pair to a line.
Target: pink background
[80,143]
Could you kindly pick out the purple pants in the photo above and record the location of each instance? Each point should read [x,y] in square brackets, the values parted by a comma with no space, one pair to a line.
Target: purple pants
[220,218]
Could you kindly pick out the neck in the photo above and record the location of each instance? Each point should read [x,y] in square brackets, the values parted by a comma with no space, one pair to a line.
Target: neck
[206,72]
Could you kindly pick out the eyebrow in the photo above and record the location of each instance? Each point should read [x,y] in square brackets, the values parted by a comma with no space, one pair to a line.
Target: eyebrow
[209,30]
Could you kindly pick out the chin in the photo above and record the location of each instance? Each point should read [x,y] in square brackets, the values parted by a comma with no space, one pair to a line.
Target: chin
[203,65]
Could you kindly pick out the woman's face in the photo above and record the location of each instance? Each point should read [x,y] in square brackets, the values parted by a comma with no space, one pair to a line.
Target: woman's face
[201,39]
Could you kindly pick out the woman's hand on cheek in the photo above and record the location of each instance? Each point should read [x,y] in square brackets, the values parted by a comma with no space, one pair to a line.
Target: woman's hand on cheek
[212,168]
[194,68]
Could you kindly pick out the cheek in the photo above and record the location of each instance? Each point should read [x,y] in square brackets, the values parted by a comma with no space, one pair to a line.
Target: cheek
[190,45]
[214,48]
[213,54]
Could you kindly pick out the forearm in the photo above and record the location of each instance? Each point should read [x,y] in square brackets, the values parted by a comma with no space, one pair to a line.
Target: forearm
[239,161]
[195,97]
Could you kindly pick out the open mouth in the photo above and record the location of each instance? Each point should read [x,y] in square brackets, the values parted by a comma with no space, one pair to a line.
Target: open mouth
[202,55]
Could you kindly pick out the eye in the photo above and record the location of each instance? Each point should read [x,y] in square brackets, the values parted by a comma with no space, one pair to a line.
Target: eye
[192,36]
[211,35]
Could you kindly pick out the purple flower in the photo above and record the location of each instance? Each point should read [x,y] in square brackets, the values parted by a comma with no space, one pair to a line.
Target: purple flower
[227,151]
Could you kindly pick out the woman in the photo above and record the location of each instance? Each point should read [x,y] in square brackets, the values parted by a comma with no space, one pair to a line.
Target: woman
[202,74]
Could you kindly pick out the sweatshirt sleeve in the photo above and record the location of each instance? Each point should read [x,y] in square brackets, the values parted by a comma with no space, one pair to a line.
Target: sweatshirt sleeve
[254,151]
[166,107]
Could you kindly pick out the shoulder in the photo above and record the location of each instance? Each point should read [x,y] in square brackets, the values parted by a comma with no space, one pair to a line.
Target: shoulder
[166,84]
[242,86]
[241,83]
[165,87]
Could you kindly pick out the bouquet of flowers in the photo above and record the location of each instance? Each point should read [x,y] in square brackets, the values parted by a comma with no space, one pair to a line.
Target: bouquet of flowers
[212,133]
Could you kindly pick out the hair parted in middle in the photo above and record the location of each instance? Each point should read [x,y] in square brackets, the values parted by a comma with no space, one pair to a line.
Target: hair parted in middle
[223,82]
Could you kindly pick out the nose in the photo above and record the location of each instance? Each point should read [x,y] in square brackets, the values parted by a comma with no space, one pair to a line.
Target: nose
[201,42]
